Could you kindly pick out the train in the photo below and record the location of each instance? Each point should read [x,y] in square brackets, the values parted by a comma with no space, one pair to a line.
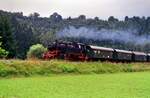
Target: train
[83,52]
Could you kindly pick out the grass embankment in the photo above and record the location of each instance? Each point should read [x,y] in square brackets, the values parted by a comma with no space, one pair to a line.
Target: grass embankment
[37,67]
[120,85]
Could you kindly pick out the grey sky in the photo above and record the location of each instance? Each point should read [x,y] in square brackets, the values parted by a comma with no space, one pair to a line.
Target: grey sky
[90,8]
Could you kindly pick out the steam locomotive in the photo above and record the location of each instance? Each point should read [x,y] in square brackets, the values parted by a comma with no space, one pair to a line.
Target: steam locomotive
[82,52]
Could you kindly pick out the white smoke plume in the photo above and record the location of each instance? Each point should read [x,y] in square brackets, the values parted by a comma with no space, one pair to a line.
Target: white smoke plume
[104,34]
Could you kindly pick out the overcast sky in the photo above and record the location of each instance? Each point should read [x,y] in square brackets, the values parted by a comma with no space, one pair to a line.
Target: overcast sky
[74,8]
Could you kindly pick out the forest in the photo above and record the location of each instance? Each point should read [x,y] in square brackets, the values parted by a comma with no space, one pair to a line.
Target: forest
[19,32]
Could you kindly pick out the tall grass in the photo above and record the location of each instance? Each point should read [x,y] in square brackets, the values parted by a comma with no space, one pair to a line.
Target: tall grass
[38,67]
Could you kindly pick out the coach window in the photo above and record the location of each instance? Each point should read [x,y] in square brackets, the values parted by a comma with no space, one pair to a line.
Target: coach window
[79,46]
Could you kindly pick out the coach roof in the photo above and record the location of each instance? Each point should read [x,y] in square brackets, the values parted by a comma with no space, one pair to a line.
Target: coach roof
[101,48]
[139,53]
[123,51]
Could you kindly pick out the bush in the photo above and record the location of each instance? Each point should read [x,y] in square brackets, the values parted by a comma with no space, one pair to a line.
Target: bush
[3,53]
[36,51]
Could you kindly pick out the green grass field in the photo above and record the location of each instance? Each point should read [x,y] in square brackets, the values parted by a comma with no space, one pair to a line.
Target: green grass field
[118,85]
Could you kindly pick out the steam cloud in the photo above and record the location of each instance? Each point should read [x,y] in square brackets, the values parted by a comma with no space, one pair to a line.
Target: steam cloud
[104,34]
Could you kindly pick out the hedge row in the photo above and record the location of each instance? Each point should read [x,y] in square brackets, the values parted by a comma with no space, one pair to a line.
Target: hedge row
[37,67]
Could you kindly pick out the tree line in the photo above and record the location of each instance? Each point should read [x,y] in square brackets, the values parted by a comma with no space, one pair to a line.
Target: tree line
[19,32]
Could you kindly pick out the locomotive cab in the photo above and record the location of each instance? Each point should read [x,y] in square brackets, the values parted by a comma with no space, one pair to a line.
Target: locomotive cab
[79,51]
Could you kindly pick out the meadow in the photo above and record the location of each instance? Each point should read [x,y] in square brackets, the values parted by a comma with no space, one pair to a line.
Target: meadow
[118,85]
[65,79]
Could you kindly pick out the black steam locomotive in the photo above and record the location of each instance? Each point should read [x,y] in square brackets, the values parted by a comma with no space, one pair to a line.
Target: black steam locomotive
[82,52]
